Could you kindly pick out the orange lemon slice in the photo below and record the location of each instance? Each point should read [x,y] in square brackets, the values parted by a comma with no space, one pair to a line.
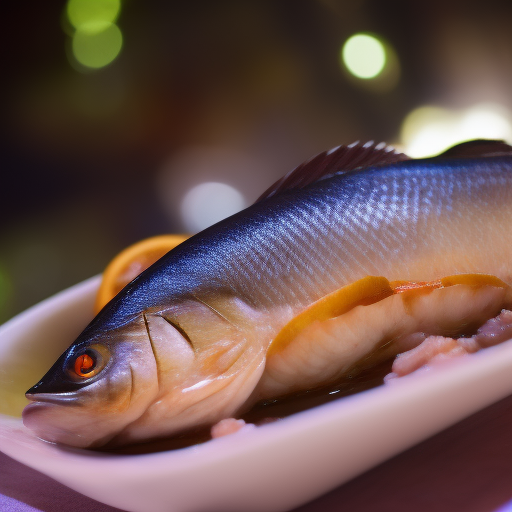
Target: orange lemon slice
[128,264]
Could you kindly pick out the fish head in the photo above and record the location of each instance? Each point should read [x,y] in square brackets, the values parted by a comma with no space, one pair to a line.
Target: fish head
[166,370]
[98,386]
[209,356]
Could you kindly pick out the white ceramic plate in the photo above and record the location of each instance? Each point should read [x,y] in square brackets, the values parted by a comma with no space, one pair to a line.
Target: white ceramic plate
[270,468]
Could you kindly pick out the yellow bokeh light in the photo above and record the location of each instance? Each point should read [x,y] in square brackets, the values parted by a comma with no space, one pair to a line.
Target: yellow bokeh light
[429,130]
[97,44]
[81,12]
[364,56]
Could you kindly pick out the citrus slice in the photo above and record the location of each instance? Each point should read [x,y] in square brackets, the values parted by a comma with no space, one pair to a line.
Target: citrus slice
[128,264]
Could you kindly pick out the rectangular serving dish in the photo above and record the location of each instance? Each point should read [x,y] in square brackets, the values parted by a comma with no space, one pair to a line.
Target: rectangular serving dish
[273,467]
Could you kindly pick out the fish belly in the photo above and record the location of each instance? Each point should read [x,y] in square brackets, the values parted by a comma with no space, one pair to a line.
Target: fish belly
[319,346]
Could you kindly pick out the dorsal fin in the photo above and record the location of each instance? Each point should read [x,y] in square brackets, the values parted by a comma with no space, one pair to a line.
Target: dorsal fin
[336,160]
[477,149]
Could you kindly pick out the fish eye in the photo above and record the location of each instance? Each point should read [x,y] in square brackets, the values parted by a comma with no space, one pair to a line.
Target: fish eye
[84,365]
[89,363]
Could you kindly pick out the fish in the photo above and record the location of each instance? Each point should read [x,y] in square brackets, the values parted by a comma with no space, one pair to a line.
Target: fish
[337,266]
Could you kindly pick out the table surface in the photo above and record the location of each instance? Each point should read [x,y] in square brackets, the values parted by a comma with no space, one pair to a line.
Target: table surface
[467,467]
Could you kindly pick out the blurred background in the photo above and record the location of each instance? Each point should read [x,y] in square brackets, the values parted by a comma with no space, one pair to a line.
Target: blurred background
[127,119]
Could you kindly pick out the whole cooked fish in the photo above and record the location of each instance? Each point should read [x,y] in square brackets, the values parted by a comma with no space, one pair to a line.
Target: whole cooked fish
[338,265]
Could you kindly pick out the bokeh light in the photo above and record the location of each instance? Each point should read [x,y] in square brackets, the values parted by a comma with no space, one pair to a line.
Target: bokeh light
[429,130]
[97,40]
[81,12]
[208,203]
[97,44]
[5,292]
[364,56]
[486,121]
[248,173]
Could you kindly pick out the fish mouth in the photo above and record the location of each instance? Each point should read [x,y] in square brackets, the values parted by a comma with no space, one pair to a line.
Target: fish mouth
[41,404]
[52,398]
[50,422]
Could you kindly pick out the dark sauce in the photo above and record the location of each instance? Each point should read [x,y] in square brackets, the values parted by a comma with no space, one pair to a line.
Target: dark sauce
[272,410]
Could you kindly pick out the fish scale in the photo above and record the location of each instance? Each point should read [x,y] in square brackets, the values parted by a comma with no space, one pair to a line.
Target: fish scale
[345,227]
[349,230]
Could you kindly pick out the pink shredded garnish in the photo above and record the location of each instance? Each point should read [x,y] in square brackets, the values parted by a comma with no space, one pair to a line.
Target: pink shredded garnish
[434,350]
[227,426]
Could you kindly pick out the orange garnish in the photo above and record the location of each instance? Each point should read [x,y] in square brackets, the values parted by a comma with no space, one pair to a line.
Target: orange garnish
[365,291]
[83,364]
[128,264]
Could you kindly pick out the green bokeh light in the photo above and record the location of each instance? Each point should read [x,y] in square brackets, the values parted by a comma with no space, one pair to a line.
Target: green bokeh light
[5,292]
[97,44]
[81,12]
[364,56]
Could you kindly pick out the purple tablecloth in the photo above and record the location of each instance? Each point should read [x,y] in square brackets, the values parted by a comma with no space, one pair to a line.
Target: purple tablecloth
[465,468]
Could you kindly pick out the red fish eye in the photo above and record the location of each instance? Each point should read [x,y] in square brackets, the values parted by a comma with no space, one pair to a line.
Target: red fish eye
[89,363]
[84,365]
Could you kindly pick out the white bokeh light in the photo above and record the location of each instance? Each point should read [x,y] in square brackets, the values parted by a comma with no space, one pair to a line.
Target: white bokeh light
[429,130]
[486,121]
[208,203]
